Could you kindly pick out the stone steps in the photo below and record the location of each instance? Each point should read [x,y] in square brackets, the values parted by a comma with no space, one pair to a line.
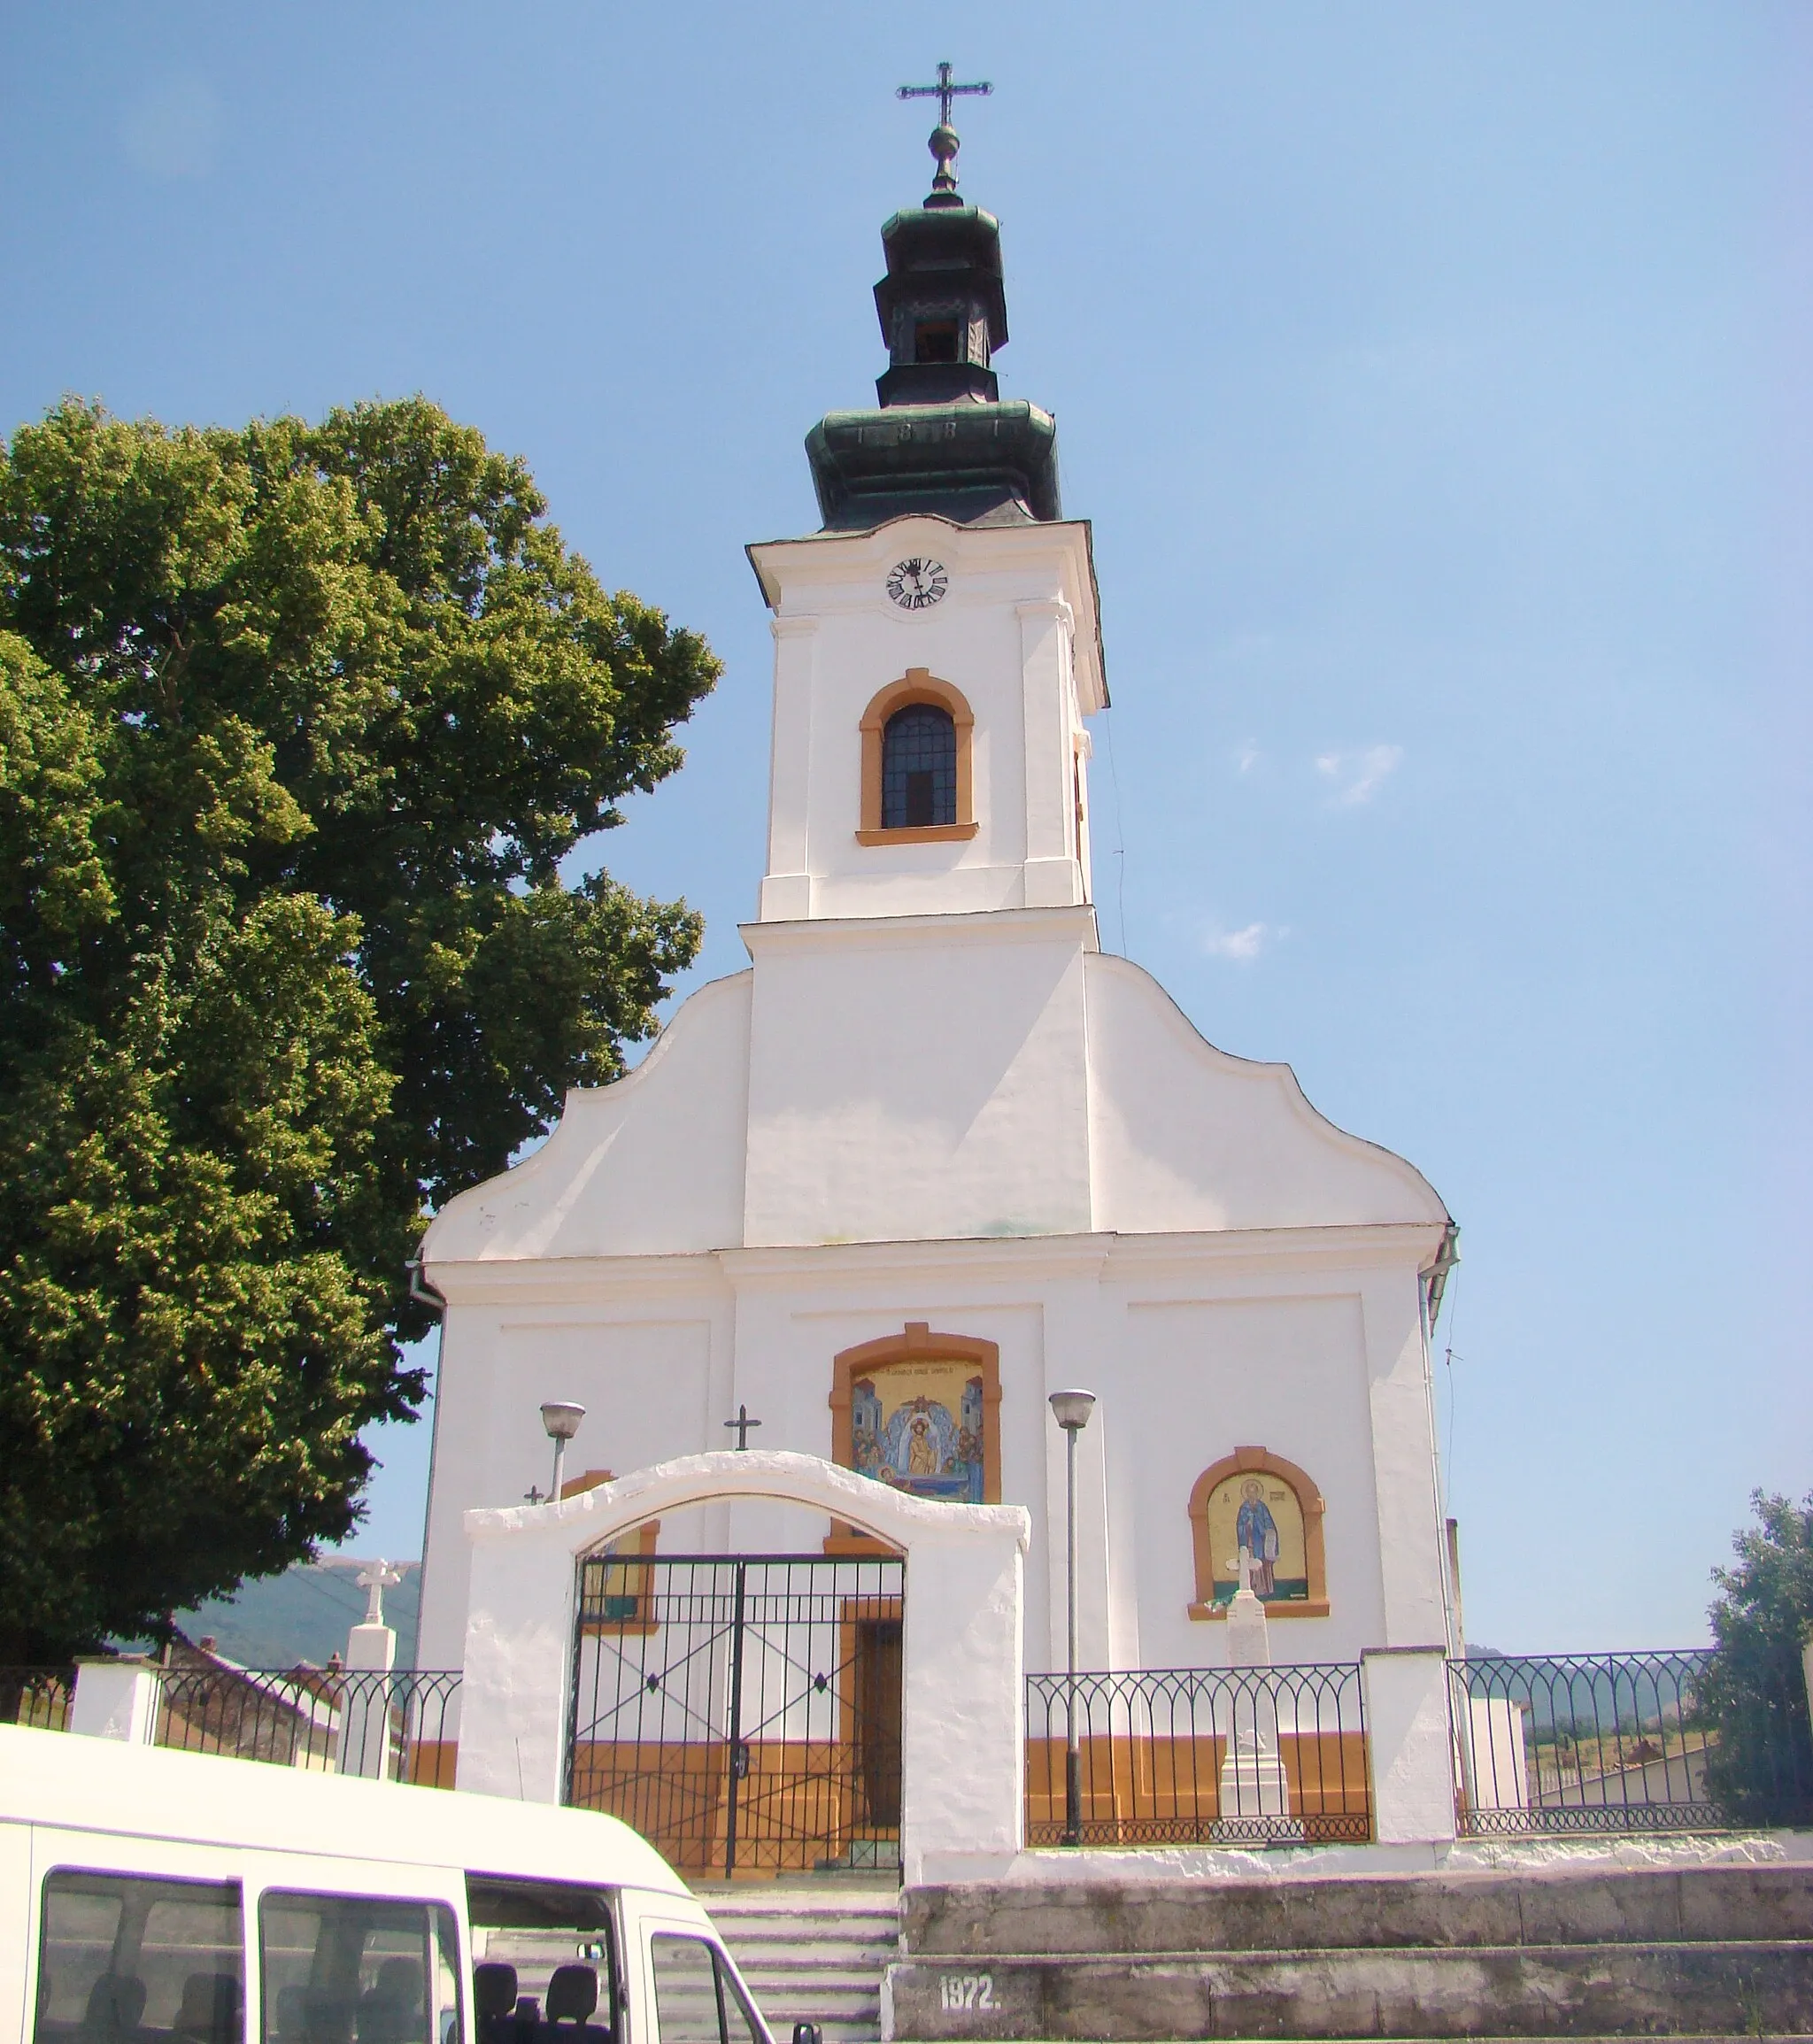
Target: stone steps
[1702,1951]
[812,1955]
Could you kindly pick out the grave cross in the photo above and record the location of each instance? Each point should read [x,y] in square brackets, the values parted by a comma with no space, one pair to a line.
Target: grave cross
[742,1423]
[944,92]
[374,1578]
[1246,1567]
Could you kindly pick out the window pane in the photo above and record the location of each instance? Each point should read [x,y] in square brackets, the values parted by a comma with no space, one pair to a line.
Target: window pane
[357,1970]
[686,1992]
[919,767]
[548,1942]
[739,2017]
[125,1961]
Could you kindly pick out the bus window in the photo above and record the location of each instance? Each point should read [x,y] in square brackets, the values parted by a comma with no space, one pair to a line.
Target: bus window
[123,1960]
[357,1969]
[697,2001]
[545,1962]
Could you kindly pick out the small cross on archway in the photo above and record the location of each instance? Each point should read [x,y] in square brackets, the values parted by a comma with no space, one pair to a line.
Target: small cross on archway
[742,1424]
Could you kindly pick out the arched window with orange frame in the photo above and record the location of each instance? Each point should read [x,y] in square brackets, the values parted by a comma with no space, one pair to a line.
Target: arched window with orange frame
[917,786]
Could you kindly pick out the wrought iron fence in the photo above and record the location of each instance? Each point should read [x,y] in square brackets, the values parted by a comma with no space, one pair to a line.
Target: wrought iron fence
[38,1697]
[395,1725]
[1609,1743]
[742,1711]
[1185,1755]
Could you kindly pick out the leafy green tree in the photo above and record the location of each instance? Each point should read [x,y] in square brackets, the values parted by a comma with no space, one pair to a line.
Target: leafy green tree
[1754,1693]
[297,725]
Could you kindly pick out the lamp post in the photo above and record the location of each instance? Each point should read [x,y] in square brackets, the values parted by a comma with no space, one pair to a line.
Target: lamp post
[1071,1410]
[562,1423]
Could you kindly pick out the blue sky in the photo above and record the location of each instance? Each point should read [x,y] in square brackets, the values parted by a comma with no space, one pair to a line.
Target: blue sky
[1436,378]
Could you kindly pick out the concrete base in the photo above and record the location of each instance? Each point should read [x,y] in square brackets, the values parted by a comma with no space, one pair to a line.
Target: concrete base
[1692,1951]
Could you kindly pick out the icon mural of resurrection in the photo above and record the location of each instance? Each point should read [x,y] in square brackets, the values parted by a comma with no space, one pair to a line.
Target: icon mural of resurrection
[918,1426]
[1256,1511]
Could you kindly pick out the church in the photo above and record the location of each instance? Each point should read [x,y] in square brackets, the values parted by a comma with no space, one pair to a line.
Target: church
[935,1154]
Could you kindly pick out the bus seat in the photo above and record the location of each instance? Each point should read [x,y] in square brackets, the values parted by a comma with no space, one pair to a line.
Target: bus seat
[209,2011]
[494,2001]
[116,2002]
[573,1994]
[292,2015]
[390,2012]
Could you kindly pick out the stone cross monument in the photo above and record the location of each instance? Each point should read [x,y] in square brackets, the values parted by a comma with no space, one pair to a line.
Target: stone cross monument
[374,1578]
[363,1743]
[1249,1642]
[1252,1780]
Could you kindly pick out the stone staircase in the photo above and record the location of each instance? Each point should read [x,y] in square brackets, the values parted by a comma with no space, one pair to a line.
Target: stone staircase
[812,1953]
[1702,1951]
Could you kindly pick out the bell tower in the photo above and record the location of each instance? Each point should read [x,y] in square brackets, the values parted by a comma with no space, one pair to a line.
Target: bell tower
[936,642]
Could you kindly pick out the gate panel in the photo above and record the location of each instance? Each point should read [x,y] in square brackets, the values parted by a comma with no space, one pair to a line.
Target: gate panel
[742,1711]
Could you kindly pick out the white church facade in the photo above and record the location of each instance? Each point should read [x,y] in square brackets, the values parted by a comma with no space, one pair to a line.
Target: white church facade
[935,1154]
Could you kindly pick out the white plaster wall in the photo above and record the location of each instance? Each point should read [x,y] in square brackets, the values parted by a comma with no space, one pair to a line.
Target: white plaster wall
[1182,1136]
[1016,635]
[1410,1742]
[918,1079]
[790,1325]
[1404,1462]
[1284,1369]
[650,1165]
[651,1372]
[1305,1342]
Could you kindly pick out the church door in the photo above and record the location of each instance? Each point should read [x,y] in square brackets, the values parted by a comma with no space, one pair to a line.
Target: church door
[878,1671]
[742,1712]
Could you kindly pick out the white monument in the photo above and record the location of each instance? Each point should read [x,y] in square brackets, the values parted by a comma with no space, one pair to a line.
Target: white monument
[1252,1780]
[363,1746]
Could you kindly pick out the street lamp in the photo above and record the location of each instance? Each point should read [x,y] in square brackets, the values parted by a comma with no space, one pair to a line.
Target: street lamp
[1071,1410]
[562,1423]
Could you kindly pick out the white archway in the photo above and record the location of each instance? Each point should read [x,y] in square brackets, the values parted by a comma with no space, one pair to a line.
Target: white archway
[963,1710]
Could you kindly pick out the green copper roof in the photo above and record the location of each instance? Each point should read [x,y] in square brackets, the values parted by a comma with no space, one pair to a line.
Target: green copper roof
[941,438]
[965,461]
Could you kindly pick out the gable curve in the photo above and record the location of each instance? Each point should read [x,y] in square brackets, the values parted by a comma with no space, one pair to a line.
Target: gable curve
[1184,1136]
[650,1165]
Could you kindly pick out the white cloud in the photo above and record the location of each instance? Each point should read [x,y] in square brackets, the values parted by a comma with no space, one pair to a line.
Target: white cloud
[1246,757]
[1358,776]
[1242,947]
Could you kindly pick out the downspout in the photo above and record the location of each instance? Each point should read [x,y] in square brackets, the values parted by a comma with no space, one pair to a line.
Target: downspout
[1431,1285]
[424,1293]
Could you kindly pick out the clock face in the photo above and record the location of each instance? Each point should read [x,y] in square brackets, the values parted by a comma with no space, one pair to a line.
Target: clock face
[918,583]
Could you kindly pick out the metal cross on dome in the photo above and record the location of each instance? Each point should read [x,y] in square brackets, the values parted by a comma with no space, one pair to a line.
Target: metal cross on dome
[944,92]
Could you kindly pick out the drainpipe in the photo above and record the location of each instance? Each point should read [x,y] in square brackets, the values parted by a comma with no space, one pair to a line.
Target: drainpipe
[424,1293]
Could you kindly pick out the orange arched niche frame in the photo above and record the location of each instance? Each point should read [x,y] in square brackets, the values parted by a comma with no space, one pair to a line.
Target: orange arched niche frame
[636,1583]
[1259,1463]
[916,1343]
[916,686]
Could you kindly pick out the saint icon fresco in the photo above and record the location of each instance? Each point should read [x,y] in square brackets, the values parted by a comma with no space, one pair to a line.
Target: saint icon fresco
[918,1426]
[1256,1534]
[1252,1514]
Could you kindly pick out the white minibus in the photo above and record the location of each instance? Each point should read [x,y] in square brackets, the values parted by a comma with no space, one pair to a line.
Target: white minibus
[148,1897]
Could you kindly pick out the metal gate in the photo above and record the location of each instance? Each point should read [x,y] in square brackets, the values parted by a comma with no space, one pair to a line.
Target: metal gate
[742,1711]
